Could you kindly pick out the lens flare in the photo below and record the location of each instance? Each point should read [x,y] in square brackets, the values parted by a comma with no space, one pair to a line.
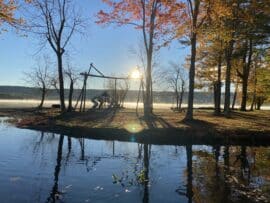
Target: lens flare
[133,127]
[135,74]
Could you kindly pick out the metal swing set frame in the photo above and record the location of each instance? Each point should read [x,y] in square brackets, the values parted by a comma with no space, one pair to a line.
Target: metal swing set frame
[81,101]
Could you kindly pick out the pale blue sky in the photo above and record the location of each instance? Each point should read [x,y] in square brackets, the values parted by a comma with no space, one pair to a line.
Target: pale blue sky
[107,47]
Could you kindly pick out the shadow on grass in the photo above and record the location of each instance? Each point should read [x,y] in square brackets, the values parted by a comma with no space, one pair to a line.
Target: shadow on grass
[198,124]
[93,115]
[154,121]
[244,115]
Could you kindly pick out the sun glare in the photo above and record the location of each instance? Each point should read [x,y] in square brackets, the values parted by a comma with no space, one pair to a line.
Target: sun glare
[133,127]
[135,74]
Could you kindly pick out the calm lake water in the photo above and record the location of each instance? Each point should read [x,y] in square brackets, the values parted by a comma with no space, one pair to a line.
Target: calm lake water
[45,167]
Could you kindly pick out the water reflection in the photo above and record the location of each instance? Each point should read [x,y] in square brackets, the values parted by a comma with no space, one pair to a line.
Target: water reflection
[81,141]
[122,172]
[69,147]
[146,173]
[55,193]
[189,173]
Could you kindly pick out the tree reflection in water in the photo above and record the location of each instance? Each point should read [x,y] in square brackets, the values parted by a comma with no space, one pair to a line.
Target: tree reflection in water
[244,164]
[189,193]
[216,150]
[226,157]
[213,173]
[69,149]
[146,173]
[55,193]
[81,141]
[189,177]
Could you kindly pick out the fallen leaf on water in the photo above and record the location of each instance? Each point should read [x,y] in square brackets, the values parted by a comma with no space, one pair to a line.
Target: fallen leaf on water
[98,188]
[126,190]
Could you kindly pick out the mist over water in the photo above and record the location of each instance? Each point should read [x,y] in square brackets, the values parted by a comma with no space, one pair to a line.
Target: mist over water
[31,103]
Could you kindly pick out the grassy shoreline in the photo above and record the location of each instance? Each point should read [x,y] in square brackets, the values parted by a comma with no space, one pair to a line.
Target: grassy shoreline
[165,127]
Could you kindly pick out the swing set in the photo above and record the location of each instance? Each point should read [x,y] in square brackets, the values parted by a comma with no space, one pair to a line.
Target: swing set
[81,101]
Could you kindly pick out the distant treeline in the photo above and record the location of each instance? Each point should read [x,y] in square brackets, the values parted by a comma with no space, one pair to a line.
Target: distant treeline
[9,96]
[19,92]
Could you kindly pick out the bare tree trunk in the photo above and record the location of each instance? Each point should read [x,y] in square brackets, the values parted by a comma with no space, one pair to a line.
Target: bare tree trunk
[218,90]
[177,99]
[181,97]
[259,102]
[244,94]
[70,95]
[215,92]
[151,92]
[189,114]
[61,82]
[149,45]
[253,101]
[235,95]
[147,101]
[43,93]
[246,70]
[227,102]
[255,90]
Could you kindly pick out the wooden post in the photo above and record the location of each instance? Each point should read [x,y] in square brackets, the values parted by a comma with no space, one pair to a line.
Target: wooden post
[115,92]
[84,98]
[82,95]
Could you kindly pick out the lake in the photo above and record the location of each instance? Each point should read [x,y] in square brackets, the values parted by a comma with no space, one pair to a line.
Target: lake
[46,167]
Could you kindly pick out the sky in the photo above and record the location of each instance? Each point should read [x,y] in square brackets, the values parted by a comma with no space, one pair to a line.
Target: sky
[107,47]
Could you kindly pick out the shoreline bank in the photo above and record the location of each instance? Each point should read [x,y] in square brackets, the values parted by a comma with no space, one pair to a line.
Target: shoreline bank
[165,128]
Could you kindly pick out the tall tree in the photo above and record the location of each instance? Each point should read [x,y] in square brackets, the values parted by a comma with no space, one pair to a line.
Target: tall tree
[230,25]
[152,17]
[260,79]
[209,67]
[196,13]
[213,40]
[55,21]
[253,32]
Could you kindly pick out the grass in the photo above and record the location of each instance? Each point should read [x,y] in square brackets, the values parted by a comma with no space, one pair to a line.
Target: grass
[125,122]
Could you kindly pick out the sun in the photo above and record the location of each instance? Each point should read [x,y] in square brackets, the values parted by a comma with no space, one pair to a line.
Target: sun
[135,74]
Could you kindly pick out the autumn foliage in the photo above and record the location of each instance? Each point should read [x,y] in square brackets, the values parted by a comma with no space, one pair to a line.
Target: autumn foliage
[139,13]
[7,12]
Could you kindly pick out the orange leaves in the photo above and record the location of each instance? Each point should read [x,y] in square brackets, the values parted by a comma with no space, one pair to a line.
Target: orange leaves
[159,16]
[122,12]
[7,9]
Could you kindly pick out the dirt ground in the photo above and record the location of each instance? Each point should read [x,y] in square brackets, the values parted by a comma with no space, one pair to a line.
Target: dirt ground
[255,121]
